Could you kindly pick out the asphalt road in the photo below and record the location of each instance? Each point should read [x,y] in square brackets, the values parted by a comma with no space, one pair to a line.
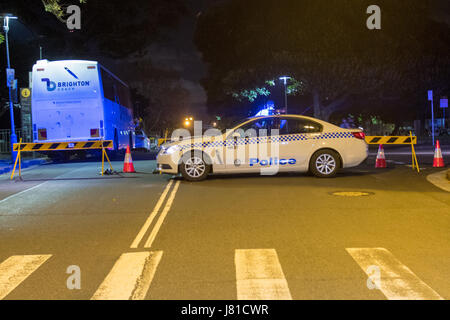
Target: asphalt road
[229,237]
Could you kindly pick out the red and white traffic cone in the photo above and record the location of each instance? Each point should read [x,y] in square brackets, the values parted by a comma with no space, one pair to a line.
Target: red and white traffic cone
[128,166]
[381,160]
[438,161]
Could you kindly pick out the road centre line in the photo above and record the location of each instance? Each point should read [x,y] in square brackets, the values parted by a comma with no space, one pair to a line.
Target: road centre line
[130,278]
[151,217]
[163,215]
[396,281]
[259,275]
[15,269]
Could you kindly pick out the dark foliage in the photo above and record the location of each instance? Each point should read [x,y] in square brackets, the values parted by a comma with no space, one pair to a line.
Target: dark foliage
[326,44]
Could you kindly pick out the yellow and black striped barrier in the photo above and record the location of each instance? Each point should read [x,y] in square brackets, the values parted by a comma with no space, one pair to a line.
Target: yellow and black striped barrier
[397,140]
[61,146]
[391,140]
[58,146]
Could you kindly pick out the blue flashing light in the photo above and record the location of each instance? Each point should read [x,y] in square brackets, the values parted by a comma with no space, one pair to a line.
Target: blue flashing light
[267,110]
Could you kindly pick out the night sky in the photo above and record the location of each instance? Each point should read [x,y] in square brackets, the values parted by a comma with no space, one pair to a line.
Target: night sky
[177,52]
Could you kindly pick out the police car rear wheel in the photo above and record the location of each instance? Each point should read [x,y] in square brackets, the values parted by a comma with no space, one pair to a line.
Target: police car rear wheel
[194,167]
[324,164]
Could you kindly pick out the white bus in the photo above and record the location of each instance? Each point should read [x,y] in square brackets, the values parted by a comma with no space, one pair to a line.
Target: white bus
[80,100]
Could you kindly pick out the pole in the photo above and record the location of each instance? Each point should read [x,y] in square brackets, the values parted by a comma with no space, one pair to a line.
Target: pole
[432,119]
[11,107]
[285,97]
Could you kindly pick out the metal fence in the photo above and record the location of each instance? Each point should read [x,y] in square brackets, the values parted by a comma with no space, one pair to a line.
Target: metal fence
[5,138]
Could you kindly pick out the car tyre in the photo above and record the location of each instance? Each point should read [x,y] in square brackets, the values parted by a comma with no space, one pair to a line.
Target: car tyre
[195,166]
[325,163]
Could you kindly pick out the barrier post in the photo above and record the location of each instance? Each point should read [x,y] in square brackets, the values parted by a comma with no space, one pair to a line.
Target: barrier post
[104,154]
[17,160]
[107,159]
[415,163]
[103,158]
[165,140]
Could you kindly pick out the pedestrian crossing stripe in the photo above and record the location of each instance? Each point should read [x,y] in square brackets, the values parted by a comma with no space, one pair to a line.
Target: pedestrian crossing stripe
[73,145]
[259,275]
[130,277]
[15,269]
[396,281]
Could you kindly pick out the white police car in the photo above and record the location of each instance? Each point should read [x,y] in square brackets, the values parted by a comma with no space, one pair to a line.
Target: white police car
[267,144]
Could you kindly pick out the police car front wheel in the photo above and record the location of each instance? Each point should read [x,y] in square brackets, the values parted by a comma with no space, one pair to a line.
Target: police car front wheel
[324,164]
[194,167]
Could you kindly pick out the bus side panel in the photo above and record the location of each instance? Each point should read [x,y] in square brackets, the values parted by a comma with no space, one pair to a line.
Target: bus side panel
[118,126]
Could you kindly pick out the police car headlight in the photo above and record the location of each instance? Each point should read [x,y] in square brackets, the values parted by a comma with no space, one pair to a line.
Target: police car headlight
[171,150]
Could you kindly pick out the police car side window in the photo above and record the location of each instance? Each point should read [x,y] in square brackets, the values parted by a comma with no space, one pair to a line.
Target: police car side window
[299,126]
[258,128]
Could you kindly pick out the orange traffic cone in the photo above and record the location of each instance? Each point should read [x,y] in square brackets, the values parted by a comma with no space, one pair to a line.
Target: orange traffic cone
[381,160]
[128,163]
[438,161]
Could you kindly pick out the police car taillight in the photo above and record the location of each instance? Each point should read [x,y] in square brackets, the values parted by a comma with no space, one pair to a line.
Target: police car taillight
[359,135]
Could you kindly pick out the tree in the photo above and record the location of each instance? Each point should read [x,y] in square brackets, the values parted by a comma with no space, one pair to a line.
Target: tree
[58,8]
[114,32]
[163,101]
[113,28]
[324,44]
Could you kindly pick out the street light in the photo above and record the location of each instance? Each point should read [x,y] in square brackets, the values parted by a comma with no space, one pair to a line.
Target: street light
[285,79]
[6,19]
[187,121]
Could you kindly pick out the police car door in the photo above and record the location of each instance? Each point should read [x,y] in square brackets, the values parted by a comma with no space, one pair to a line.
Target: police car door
[296,142]
[246,145]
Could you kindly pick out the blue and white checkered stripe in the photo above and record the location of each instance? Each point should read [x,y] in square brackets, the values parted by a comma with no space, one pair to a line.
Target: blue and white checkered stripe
[335,135]
[254,140]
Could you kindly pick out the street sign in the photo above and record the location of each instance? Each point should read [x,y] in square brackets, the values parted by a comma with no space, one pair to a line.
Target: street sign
[444,103]
[10,77]
[430,98]
[25,92]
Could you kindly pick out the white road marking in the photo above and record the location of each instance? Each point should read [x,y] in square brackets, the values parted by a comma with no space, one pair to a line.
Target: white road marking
[152,216]
[259,275]
[15,269]
[397,281]
[130,278]
[23,191]
[163,215]
[37,186]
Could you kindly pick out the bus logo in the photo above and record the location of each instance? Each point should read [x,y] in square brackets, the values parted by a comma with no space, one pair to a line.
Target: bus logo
[50,84]
[65,85]
[71,73]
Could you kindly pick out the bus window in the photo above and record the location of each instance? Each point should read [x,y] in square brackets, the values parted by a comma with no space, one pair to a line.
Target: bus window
[108,85]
